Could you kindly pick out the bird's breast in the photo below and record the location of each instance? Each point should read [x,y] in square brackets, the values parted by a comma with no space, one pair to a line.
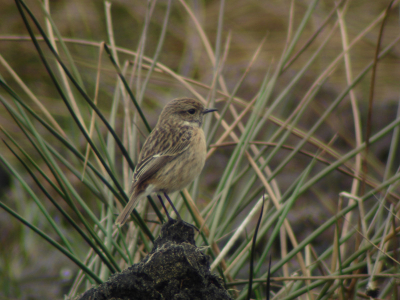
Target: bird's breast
[186,167]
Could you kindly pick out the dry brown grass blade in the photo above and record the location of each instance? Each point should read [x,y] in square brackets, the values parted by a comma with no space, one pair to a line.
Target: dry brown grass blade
[32,96]
[93,117]
[372,84]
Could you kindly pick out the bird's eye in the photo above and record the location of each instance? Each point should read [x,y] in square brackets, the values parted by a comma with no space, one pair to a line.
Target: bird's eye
[191,111]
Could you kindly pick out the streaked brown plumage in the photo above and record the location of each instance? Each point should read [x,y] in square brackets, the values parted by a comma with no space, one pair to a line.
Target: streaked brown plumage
[172,156]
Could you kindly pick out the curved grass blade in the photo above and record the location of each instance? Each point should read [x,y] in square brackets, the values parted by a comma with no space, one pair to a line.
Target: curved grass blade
[77,86]
[253,250]
[268,288]
[55,203]
[56,245]
[64,184]
[67,217]
[127,88]
[82,129]
[66,143]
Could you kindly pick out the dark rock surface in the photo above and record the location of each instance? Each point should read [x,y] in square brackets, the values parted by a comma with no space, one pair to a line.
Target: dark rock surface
[175,269]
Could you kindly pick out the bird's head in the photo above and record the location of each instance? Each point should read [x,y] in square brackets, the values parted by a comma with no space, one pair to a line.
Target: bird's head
[184,111]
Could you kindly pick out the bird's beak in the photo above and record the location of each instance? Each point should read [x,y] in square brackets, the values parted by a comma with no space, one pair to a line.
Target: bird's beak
[208,110]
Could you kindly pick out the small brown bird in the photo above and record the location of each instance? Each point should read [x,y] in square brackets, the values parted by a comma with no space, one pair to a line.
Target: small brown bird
[172,156]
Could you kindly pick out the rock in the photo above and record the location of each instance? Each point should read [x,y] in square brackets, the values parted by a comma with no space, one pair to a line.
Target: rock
[175,269]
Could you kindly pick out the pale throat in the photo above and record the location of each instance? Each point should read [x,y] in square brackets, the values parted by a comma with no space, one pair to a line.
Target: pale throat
[191,124]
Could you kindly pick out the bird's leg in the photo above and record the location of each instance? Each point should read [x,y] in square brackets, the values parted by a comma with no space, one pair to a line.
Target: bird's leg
[163,205]
[173,207]
[178,215]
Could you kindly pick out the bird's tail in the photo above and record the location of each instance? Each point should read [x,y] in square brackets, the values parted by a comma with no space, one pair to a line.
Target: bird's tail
[124,215]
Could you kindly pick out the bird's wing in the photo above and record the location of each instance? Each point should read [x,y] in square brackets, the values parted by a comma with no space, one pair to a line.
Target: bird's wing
[162,146]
